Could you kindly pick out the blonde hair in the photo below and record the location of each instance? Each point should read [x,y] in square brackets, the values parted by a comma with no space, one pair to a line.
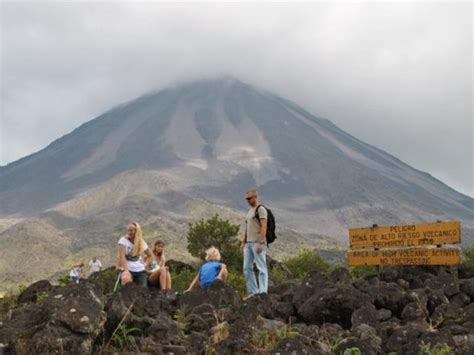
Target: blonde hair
[213,254]
[138,242]
[159,242]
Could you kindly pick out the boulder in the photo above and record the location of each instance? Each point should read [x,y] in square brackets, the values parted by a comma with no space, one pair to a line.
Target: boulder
[405,339]
[204,317]
[435,299]
[30,294]
[460,300]
[68,320]
[383,314]
[264,305]
[312,283]
[340,274]
[366,314]
[365,339]
[335,304]
[467,286]
[465,271]
[413,311]
[285,291]
[150,311]
[448,314]
[390,296]
[464,344]
[219,294]
[445,280]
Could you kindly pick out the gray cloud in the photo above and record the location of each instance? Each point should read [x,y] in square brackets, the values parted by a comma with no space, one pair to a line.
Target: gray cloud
[398,76]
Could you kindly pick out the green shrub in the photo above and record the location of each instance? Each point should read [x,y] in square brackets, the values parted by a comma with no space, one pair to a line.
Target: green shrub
[277,276]
[305,261]
[181,281]
[41,296]
[468,257]
[438,349]
[265,341]
[8,300]
[352,351]
[63,281]
[219,233]
[237,280]
[364,270]
[123,336]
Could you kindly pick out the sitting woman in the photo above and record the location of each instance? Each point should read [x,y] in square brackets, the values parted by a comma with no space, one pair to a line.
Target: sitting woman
[210,271]
[76,272]
[131,249]
[158,273]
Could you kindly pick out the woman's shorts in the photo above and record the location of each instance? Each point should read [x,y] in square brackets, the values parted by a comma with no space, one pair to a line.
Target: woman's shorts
[140,278]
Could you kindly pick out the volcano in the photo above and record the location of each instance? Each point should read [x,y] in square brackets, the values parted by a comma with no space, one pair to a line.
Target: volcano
[213,140]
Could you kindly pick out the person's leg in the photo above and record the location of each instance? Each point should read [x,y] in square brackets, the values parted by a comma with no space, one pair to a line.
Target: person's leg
[126,277]
[154,277]
[163,281]
[168,280]
[248,269]
[222,275]
[261,263]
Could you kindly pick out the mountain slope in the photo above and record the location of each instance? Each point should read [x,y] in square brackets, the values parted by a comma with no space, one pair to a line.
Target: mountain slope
[213,140]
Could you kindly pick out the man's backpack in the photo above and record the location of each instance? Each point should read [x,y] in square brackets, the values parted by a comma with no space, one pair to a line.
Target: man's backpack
[271,236]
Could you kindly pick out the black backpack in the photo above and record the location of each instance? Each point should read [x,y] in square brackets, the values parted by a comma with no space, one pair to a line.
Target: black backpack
[271,236]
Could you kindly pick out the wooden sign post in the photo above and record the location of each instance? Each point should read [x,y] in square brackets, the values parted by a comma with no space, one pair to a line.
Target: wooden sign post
[409,244]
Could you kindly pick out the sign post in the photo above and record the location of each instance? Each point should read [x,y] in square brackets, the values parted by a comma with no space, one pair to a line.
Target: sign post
[408,244]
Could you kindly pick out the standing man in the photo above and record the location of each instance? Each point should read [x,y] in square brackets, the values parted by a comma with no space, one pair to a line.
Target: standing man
[254,245]
[94,265]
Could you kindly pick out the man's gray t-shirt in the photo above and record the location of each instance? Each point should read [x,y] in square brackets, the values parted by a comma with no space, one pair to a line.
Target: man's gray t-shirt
[252,225]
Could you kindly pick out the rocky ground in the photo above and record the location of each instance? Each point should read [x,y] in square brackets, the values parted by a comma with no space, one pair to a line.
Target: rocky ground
[410,310]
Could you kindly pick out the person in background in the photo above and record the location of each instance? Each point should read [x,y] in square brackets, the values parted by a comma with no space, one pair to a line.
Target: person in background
[94,265]
[254,246]
[131,263]
[158,273]
[210,271]
[76,272]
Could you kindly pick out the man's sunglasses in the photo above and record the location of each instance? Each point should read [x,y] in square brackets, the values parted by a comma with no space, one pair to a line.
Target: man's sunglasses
[249,198]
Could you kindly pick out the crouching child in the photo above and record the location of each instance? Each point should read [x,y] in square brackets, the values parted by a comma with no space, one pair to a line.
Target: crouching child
[210,271]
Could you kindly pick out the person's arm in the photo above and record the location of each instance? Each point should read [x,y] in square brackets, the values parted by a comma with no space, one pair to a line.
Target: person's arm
[193,284]
[242,244]
[263,230]
[100,266]
[148,257]
[222,272]
[122,264]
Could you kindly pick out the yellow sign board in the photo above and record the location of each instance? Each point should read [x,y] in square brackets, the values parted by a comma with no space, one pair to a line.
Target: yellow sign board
[410,256]
[407,235]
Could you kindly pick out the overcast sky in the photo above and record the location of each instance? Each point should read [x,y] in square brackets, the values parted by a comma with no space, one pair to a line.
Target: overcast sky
[398,76]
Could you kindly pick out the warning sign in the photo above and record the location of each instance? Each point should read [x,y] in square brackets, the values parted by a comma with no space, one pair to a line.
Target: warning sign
[406,235]
[411,256]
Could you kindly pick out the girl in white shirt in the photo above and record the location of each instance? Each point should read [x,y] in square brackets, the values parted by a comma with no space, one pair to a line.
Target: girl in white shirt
[131,263]
[158,271]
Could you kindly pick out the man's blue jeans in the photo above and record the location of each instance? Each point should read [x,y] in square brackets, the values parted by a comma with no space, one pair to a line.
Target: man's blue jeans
[260,259]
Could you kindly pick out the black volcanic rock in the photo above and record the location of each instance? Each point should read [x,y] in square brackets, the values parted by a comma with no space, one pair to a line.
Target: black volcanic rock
[216,319]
